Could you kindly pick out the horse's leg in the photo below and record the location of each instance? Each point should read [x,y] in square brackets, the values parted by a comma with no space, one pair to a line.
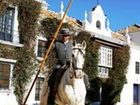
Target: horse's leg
[82,102]
[44,92]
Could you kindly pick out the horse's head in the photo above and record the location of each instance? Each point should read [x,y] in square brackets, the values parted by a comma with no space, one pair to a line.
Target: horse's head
[78,53]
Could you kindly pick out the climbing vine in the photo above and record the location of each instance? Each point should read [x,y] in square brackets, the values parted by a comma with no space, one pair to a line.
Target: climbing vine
[91,64]
[28,14]
[117,76]
[50,25]
[7,52]
[5,3]
[48,28]
[91,57]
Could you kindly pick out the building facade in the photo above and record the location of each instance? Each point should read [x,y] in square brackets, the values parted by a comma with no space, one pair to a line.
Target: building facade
[9,38]
[131,92]
[97,23]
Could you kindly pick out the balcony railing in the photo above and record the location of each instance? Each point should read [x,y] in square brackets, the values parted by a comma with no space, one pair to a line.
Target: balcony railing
[103,72]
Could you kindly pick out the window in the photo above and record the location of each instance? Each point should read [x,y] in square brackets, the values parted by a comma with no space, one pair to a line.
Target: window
[105,56]
[98,24]
[39,83]
[137,68]
[41,48]
[4,75]
[6,24]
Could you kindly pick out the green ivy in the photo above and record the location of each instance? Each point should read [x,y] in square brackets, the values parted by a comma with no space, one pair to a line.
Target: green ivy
[23,72]
[91,64]
[5,3]
[91,57]
[28,14]
[8,52]
[117,76]
[50,25]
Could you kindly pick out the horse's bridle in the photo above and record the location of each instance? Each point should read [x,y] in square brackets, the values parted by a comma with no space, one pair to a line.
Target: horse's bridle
[73,68]
[80,51]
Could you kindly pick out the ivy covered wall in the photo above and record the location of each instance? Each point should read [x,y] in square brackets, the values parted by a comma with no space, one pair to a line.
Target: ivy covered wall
[25,66]
[5,3]
[8,52]
[117,76]
[91,57]
[5,50]
[28,14]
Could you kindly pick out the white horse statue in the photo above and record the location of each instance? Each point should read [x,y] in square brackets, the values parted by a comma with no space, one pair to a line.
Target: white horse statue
[72,90]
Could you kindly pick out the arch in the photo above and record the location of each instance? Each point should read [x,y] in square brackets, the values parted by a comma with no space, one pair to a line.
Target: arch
[98,24]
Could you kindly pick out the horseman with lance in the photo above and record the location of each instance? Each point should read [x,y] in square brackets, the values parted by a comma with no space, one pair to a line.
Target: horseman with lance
[63,51]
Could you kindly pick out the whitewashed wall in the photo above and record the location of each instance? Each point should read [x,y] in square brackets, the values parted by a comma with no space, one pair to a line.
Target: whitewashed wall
[132,78]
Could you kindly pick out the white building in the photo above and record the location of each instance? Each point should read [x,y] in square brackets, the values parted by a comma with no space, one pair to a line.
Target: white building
[131,92]
[97,23]
[9,36]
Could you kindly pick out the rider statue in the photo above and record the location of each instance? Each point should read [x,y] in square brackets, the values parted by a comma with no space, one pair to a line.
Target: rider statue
[63,51]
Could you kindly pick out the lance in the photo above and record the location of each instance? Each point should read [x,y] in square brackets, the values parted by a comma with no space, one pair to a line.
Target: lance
[41,66]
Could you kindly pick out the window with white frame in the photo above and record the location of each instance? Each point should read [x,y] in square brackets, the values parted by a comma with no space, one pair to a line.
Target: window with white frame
[137,67]
[4,75]
[105,61]
[105,56]
[42,45]
[38,87]
[6,24]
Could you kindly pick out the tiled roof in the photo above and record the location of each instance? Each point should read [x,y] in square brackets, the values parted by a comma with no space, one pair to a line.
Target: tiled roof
[119,36]
[52,14]
[132,28]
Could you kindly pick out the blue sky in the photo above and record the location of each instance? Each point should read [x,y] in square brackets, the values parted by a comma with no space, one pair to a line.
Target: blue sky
[121,13]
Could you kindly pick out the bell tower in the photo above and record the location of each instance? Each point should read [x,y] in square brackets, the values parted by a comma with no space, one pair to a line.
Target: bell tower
[96,21]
